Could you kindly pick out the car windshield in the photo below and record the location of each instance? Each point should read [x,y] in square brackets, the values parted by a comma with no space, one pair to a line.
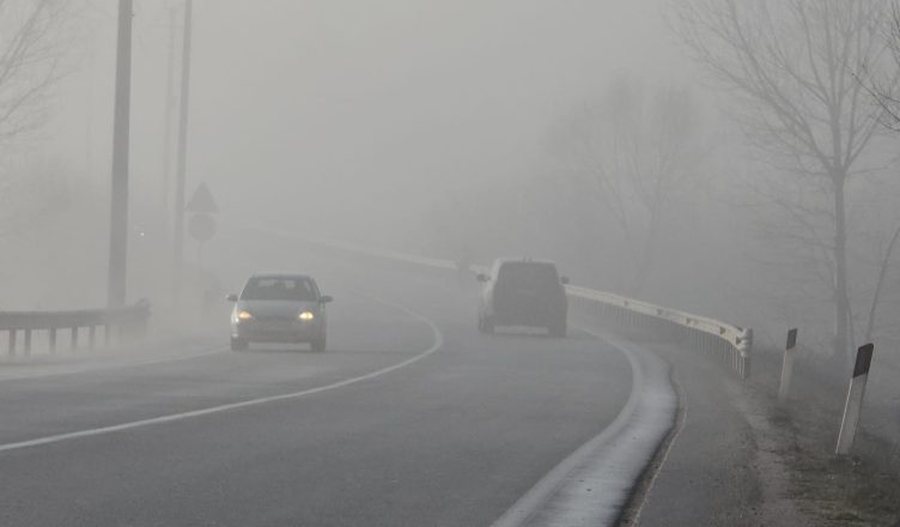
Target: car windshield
[291,289]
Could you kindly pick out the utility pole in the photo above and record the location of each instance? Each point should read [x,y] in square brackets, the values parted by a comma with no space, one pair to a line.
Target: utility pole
[182,144]
[118,228]
[170,110]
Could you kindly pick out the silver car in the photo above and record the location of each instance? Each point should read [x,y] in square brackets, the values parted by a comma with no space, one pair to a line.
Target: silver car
[279,308]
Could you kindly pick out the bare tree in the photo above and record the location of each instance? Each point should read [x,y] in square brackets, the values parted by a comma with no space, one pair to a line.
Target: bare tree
[29,61]
[883,92]
[631,154]
[31,33]
[794,66]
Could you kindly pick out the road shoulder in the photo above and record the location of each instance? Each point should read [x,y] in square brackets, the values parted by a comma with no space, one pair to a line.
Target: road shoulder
[153,351]
[724,468]
[593,484]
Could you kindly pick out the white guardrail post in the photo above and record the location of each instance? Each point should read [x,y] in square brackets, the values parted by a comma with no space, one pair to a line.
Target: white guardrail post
[855,395]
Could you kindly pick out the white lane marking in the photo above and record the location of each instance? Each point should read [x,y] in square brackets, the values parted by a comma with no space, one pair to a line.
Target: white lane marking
[438,343]
[591,485]
[90,368]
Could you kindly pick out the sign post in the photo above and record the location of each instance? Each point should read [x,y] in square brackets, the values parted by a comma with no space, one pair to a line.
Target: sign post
[202,224]
[201,227]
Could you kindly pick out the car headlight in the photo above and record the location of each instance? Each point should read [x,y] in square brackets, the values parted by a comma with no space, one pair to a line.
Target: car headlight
[306,315]
[244,315]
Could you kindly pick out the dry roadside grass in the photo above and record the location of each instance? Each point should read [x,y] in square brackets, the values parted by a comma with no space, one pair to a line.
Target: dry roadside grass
[830,491]
[836,491]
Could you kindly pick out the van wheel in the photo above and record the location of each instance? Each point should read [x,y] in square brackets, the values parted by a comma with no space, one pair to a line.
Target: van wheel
[239,344]
[318,345]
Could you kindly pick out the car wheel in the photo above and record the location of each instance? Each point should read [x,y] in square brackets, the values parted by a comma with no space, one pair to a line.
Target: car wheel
[318,345]
[239,344]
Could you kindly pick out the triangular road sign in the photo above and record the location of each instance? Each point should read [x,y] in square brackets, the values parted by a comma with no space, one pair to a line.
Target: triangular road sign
[202,201]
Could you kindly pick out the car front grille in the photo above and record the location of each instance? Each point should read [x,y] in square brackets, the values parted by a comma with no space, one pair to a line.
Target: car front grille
[275,318]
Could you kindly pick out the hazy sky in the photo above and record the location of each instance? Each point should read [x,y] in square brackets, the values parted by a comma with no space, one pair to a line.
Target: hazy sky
[356,106]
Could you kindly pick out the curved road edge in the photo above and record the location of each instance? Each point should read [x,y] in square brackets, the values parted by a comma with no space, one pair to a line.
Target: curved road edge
[593,485]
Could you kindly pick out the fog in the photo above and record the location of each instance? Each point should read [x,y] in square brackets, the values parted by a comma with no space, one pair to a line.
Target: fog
[439,129]
[727,169]
[347,102]
[369,117]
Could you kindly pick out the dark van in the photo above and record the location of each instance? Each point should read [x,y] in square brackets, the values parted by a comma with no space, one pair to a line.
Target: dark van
[523,293]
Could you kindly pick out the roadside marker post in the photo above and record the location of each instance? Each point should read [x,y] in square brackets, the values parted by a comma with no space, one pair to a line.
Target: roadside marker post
[855,395]
[787,366]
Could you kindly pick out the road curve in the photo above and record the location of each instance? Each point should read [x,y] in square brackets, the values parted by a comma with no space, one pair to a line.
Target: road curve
[454,438]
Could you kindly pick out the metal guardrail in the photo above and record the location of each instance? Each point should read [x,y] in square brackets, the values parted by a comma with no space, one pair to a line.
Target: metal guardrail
[732,343]
[124,322]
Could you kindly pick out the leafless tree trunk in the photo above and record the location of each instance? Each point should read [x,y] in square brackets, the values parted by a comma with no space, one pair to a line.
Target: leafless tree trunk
[879,285]
[795,67]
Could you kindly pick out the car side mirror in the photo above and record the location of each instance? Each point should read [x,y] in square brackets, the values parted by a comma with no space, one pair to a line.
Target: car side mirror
[564,280]
[232,297]
[481,277]
[325,299]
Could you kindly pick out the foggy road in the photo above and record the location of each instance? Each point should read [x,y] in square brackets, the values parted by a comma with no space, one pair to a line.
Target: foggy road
[694,205]
[454,436]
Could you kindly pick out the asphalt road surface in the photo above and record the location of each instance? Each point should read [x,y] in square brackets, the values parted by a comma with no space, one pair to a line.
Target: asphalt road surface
[410,418]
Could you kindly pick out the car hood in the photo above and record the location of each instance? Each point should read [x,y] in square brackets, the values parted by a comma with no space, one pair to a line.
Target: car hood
[276,308]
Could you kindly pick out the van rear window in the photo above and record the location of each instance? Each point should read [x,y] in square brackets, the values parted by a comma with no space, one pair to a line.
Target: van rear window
[528,275]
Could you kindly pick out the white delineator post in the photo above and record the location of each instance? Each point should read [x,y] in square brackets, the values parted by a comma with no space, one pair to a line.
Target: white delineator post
[853,406]
[787,366]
